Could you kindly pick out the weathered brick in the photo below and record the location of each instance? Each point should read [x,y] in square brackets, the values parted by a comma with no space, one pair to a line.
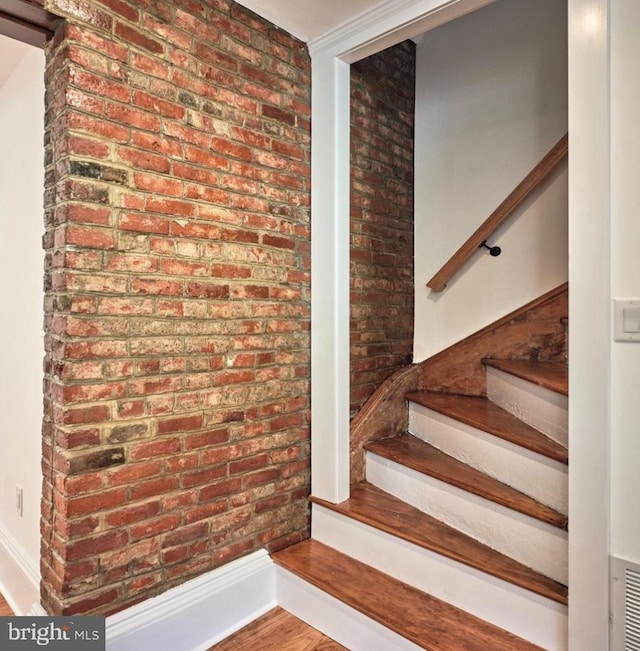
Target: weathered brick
[133,472]
[381,218]
[200,477]
[98,502]
[177,265]
[131,35]
[128,515]
[153,449]
[154,487]
[95,460]
[180,424]
[80,415]
[155,526]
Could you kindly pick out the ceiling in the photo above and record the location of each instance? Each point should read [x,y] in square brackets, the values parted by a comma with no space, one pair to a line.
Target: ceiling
[309,19]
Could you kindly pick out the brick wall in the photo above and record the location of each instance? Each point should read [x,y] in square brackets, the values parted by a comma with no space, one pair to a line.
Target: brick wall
[382,288]
[176,430]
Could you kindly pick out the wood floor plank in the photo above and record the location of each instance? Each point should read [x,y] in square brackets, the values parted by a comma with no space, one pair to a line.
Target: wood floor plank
[411,452]
[385,512]
[550,375]
[278,630]
[5,609]
[481,413]
[429,622]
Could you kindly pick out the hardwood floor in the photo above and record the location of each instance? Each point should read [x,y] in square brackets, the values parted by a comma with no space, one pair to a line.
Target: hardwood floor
[5,611]
[278,630]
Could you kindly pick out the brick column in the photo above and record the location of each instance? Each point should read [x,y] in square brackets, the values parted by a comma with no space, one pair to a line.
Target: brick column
[176,430]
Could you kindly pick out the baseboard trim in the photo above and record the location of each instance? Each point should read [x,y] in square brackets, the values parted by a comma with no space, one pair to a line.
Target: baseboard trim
[19,579]
[201,612]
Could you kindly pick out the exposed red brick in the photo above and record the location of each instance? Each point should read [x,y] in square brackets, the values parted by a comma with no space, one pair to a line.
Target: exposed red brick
[97,502]
[131,35]
[181,424]
[154,527]
[128,515]
[177,296]
[382,286]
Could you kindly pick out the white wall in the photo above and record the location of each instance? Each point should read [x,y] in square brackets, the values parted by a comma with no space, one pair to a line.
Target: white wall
[21,296]
[491,100]
[625,277]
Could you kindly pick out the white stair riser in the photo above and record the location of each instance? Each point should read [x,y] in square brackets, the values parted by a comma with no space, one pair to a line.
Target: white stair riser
[541,408]
[535,475]
[334,618]
[535,544]
[535,618]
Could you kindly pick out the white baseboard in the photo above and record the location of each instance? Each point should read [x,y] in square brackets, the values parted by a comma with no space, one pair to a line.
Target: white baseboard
[199,613]
[19,578]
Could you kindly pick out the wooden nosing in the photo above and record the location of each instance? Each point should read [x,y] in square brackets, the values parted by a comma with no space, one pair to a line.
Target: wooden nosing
[549,375]
[414,453]
[419,617]
[482,414]
[378,509]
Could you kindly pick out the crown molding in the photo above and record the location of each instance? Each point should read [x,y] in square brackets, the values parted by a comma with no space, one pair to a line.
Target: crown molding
[388,24]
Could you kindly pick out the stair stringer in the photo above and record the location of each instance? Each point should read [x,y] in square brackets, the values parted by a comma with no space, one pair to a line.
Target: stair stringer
[534,331]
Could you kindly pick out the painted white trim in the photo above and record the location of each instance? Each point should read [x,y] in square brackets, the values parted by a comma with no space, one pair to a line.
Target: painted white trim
[536,544]
[533,617]
[589,334]
[531,473]
[37,611]
[199,613]
[334,618]
[388,24]
[330,287]
[19,578]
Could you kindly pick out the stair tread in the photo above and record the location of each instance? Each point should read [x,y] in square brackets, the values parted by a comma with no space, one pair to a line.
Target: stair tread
[481,413]
[414,453]
[550,375]
[373,506]
[417,616]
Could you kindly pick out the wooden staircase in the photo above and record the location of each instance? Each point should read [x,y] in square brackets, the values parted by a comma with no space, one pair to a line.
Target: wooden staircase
[457,538]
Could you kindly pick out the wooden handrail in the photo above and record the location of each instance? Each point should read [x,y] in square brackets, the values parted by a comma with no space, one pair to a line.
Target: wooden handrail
[530,182]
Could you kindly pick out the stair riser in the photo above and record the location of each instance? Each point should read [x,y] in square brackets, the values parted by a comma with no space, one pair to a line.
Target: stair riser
[541,408]
[329,615]
[533,474]
[536,544]
[528,615]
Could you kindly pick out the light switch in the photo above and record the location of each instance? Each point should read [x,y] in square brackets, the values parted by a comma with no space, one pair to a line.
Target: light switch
[626,319]
[630,319]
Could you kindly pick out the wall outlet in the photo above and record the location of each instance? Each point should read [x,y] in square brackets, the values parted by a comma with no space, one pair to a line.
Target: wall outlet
[19,500]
